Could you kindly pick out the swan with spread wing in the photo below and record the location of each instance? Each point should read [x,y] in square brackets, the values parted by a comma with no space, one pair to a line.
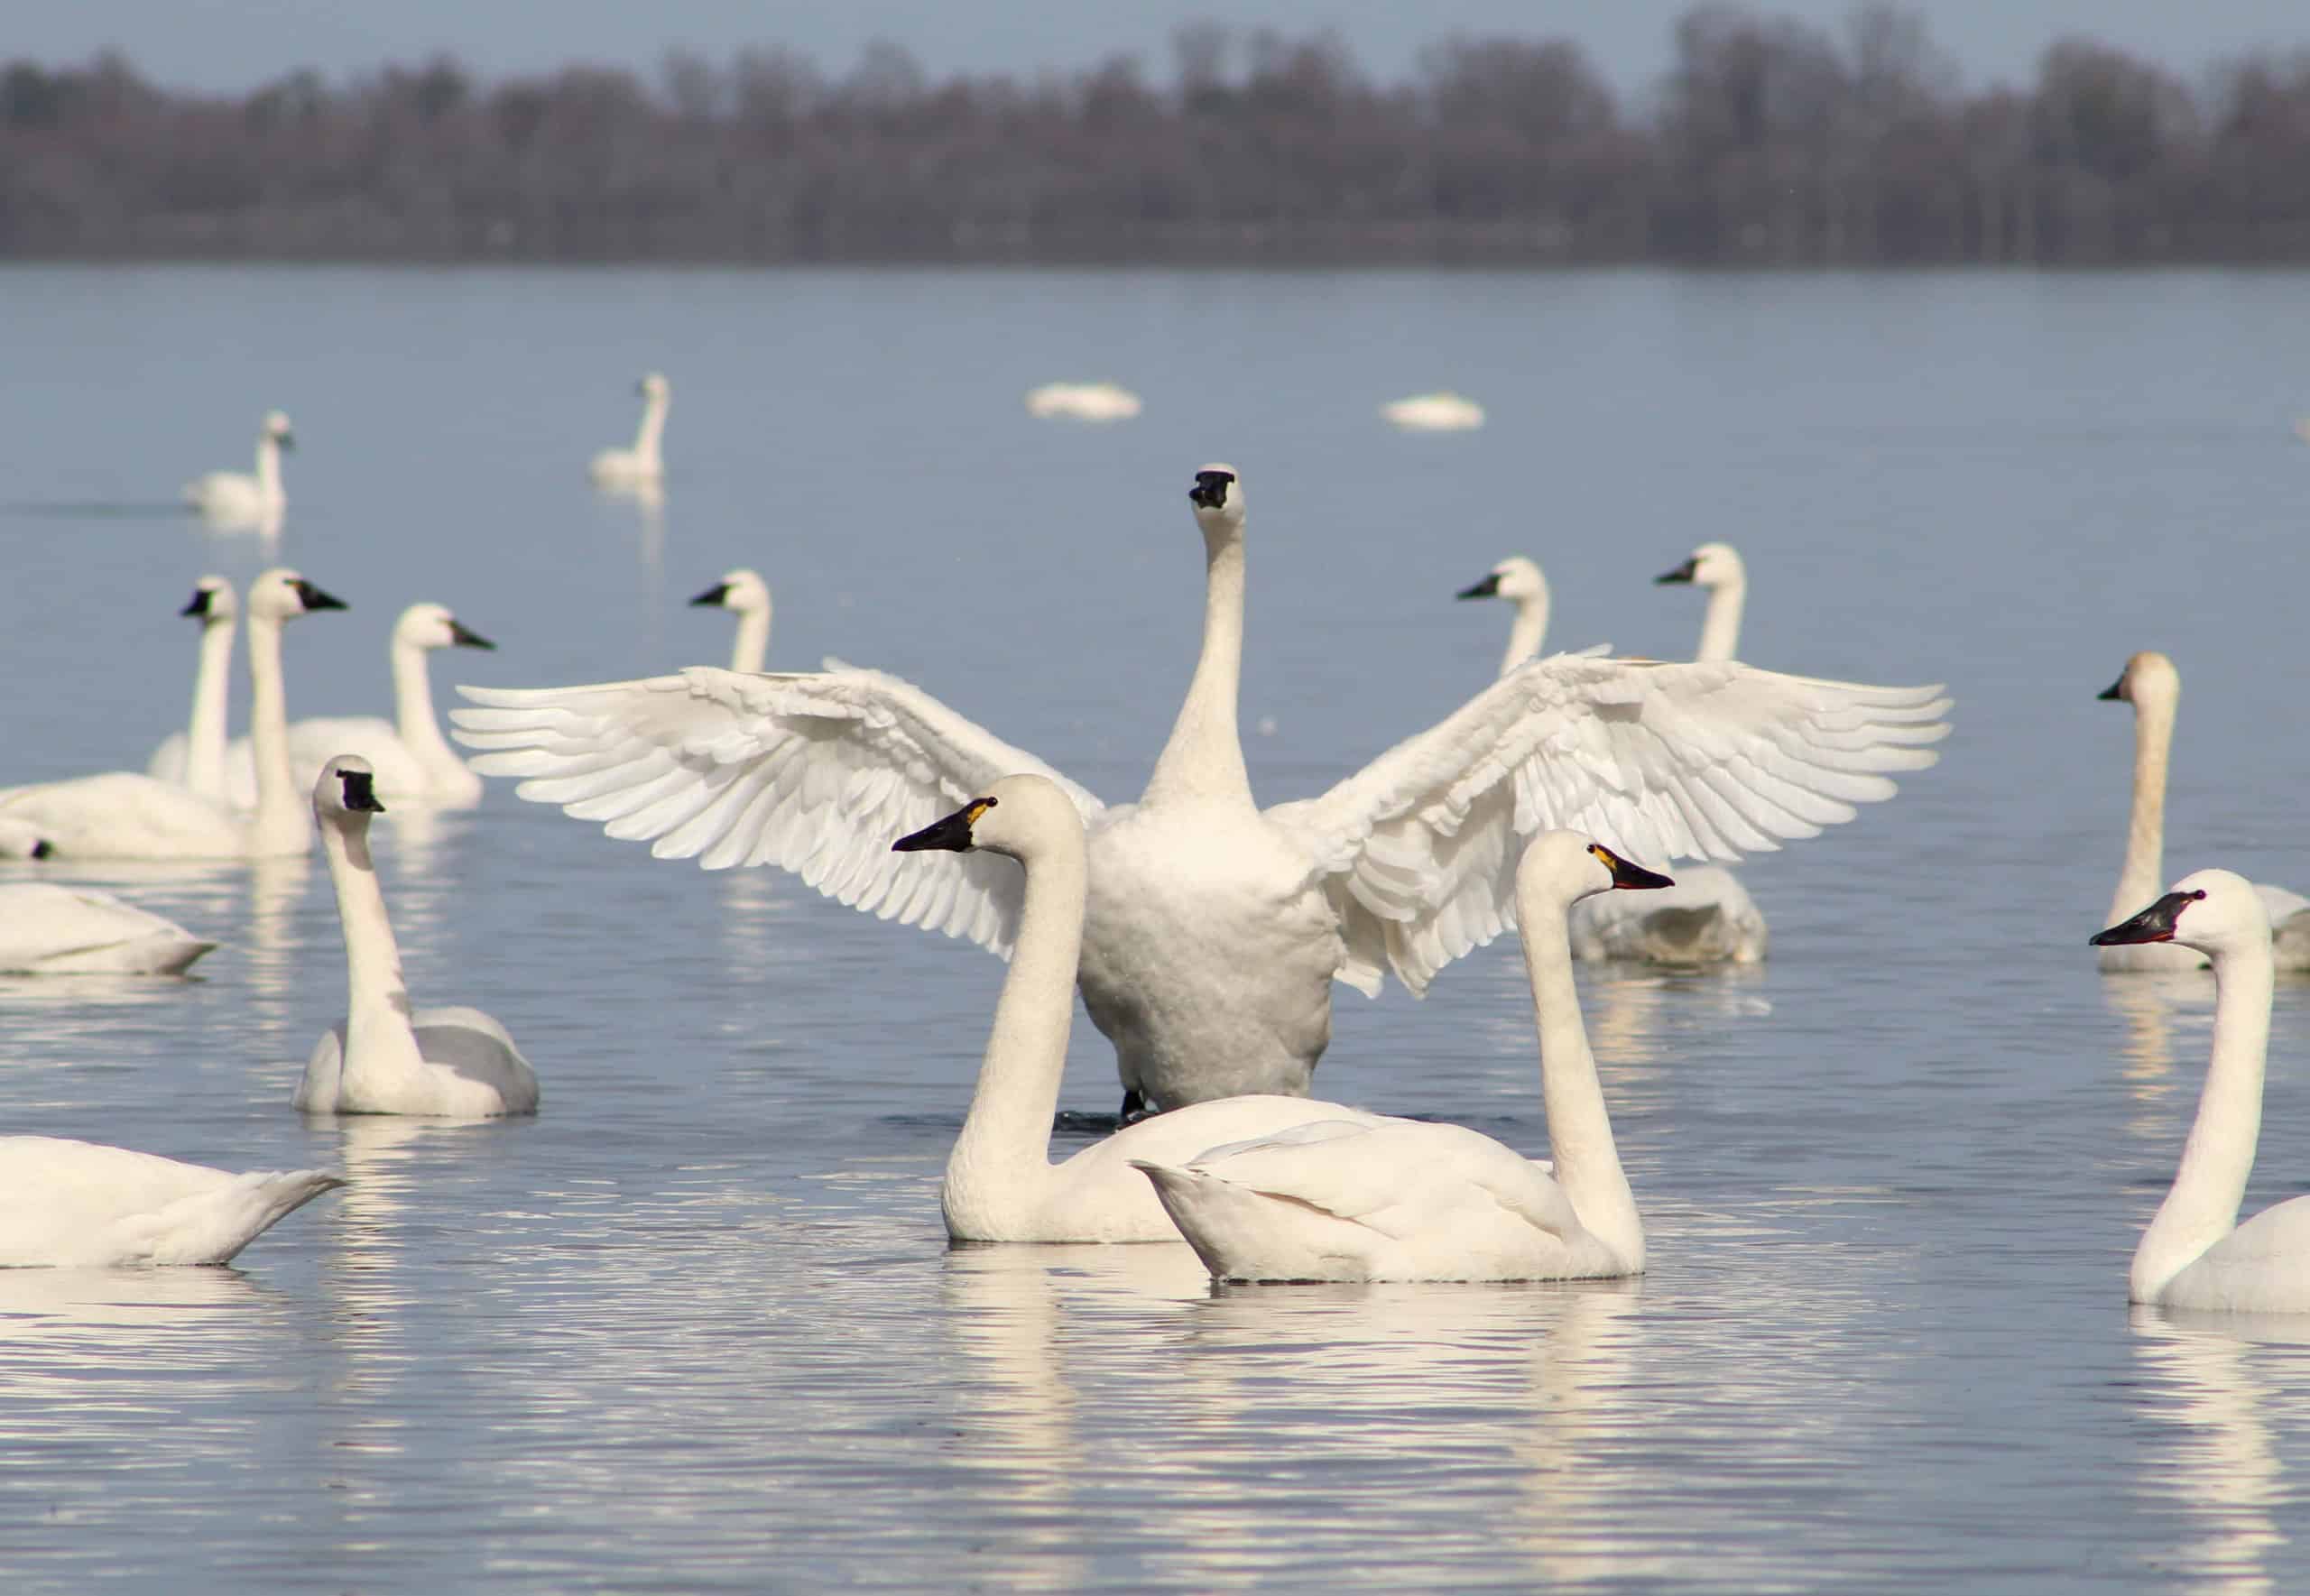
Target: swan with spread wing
[1215,928]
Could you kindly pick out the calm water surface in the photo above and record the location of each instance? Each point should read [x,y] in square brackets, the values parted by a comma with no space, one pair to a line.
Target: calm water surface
[697,1326]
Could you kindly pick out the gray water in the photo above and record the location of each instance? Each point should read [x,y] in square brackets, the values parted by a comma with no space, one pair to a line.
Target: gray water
[697,1326]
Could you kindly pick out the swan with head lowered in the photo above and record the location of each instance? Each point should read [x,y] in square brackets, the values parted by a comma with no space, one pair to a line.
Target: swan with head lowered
[82,1204]
[50,929]
[746,596]
[125,815]
[1215,929]
[2196,1254]
[195,757]
[1518,580]
[386,1057]
[2154,687]
[1355,1198]
[237,498]
[643,465]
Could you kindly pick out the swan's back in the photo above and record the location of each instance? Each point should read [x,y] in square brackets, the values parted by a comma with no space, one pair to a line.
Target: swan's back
[478,1049]
[2262,1267]
[470,1066]
[82,1205]
[51,929]
[124,815]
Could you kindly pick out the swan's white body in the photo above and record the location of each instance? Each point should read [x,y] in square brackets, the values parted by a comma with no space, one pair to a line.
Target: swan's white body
[48,929]
[237,498]
[1345,1199]
[122,815]
[643,465]
[386,1057]
[1082,402]
[80,1204]
[2154,687]
[1518,581]
[2196,1254]
[194,758]
[746,596]
[1443,411]
[1215,929]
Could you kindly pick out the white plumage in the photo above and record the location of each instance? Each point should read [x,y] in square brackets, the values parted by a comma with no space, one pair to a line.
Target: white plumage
[643,465]
[1082,402]
[1441,411]
[194,758]
[746,596]
[48,929]
[239,501]
[80,1204]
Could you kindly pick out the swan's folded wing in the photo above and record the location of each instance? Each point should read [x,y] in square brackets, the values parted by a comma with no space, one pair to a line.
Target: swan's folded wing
[818,774]
[1399,1177]
[1656,762]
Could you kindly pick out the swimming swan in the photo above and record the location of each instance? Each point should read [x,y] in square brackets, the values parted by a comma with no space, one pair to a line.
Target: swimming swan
[1518,580]
[48,929]
[1335,1199]
[130,816]
[1215,929]
[1082,402]
[1442,412]
[2154,687]
[194,758]
[746,596]
[80,1204]
[1717,568]
[643,465]
[385,1058]
[2196,1254]
[235,497]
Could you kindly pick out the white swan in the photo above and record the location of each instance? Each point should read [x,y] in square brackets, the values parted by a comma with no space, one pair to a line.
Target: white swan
[1082,402]
[130,816]
[2196,1254]
[22,840]
[48,929]
[80,1204]
[386,1056]
[1717,567]
[195,757]
[234,498]
[1365,1199]
[746,596]
[645,464]
[2154,687]
[1215,929]
[1518,580]
[1442,412]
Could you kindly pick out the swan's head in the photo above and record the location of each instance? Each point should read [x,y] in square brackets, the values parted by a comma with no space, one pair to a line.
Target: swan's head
[212,600]
[282,595]
[2148,678]
[1713,565]
[277,428]
[742,590]
[1019,815]
[1514,577]
[2211,911]
[1218,499]
[432,626]
[20,839]
[344,792]
[653,386]
[1566,867]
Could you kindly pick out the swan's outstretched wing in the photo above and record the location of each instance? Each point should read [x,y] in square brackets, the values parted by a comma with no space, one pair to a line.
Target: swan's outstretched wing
[1656,762]
[818,774]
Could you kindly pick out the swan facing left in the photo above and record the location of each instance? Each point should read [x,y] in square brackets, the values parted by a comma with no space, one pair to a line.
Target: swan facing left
[195,757]
[746,596]
[240,499]
[1518,581]
[80,1204]
[645,465]
[50,929]
[386,1057]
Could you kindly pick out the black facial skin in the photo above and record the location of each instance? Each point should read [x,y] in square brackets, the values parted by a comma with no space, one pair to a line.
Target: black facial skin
[2115,692]
[1487,588]
[953,834]
[464,639]
[1631,877]
[313,598]
[1683,573]
[198,605]
[714,595]
[359,795]
[2154,923]
[1210,490]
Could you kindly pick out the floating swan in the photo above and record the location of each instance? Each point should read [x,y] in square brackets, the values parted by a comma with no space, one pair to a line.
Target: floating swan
[1364,1199]
[1215,929]
[1717,567]
[48,929]
[2154,687]
[80,1204]
[1435,412]
[20,839]
[236,498]
[126,816]
[385,1058]
[745,594]
[195,757]
[643,465]
[1518,580]
[1082,402]
[2196,1254]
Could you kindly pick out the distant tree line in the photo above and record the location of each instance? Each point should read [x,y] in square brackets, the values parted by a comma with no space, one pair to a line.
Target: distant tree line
[1767,141]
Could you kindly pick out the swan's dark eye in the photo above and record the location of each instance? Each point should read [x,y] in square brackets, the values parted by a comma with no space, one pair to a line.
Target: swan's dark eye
[2193,897]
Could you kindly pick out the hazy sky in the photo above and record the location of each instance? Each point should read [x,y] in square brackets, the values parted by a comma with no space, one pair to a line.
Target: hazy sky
[231,44]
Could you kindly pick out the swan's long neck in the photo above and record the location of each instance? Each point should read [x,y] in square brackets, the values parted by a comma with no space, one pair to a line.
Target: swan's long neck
[753,640]
[1524,636]
[268,464]
[204,749]
[1205,757]
[420,733]
[1720,628]
[653,428]
[378,1040]
[2143,876]
[1001,1164]
[2218,1157]
[282,823]
[1580,1130]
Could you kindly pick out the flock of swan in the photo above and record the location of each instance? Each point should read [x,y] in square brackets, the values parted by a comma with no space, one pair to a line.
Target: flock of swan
[1204,932]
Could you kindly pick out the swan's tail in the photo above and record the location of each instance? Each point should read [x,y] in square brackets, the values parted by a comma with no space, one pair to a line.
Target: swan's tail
[1242,1234]
[213,1226]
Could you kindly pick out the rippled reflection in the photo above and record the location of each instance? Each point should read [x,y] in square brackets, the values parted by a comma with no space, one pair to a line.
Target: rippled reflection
[2168,1014]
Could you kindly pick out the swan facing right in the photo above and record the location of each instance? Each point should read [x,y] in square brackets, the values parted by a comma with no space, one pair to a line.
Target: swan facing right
[82,1204]
[239,499]
[50,929]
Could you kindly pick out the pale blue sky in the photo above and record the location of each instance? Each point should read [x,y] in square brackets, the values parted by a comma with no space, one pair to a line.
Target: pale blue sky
[231,44]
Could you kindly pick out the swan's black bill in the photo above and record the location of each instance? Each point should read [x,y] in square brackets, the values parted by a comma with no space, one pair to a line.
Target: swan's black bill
[1683,573]
[1633,877]
[313,598]
[198,605]
[2154,923]
[714,595]
[360,791]
[953,833]
[1487,588]
[2115,692]
[287,440]
[1210,490]
[465,638]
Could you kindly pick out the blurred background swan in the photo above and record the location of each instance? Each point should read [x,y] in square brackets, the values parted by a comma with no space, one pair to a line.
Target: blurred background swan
[1082,402]
[1518,580]
[643,463]
[1442,412]
[195,757]
[242,500]
[746,596]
